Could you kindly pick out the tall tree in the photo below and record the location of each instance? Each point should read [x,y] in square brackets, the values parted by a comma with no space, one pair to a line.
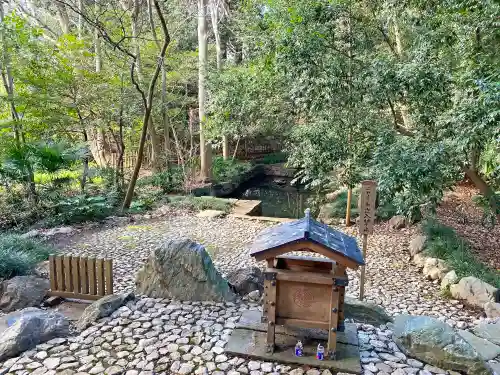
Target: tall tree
[205,147]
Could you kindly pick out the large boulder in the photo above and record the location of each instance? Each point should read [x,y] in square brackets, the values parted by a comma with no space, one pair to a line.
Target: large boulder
[486,349]
[449,279]
[419,260]
[492,309]
[488,331]
[246,280]
[397,222]
[182,269]
[28,328]
[417,245]
[365,312]
[102,308]
[435,269]
[474,291]
[22,291]
[434,342]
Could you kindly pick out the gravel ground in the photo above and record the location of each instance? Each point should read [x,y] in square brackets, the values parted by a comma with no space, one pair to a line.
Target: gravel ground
[159,336]
[391,280]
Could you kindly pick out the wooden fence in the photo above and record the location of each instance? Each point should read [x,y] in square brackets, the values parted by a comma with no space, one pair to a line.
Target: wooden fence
[80,277]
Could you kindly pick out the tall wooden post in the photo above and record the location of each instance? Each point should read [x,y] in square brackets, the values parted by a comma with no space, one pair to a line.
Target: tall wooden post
[348,208]
[367,217]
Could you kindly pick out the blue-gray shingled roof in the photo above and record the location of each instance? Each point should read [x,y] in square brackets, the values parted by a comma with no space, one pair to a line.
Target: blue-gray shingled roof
[308,229]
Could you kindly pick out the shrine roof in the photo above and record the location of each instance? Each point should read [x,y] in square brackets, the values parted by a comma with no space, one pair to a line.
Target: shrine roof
[307,229]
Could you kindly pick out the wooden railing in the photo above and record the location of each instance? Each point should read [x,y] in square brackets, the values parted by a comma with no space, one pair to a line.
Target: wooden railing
[80,277]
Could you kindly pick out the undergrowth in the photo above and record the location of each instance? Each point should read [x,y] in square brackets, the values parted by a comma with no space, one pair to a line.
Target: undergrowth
[444,243]
[337,208]
[18,256]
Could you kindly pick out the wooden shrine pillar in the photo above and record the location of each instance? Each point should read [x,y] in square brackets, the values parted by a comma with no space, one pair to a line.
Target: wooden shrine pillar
[270,287]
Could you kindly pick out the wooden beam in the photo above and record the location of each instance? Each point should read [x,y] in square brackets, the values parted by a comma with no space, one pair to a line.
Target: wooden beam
[302,323]
[302,277]
[271,312]
[306,245]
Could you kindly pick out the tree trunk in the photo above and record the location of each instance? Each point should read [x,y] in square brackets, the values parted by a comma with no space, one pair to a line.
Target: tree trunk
[148,103]
[85,162]
[80,19]
[483,188]
[164,115]
[214,13]
[205,148]
[155,142]
[62,16]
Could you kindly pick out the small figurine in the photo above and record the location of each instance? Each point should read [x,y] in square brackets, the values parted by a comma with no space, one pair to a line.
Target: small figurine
[320,353]
[299,349]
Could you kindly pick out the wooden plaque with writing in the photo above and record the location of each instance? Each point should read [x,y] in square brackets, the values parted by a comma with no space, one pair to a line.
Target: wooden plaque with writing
[367,206]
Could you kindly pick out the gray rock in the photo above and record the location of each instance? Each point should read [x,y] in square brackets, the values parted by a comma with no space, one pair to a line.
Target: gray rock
[435,269]
[365,312]
[488,331]
[102,308]
[417,245]
[397,222]
[182,269]
[28,328]
[474,291]
[22,291]
[449,279]
[246,280]
[436,343]
[495,367]
[61,230]
[492,309]
[419,260]
[486,349]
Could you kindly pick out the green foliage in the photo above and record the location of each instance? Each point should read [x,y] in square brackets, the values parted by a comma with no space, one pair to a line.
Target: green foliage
[229,170]
[18,256]
[169,181]
[189,202]
[444,243]
[274,158]
[411,173]
[337,208]
[84,208]
[489,217]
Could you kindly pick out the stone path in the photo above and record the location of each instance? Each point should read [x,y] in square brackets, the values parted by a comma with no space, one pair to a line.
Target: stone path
[158,336]
[392,281]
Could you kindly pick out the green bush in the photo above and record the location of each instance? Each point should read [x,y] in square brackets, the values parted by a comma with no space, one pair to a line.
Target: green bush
[168,181]
[189,202]
[84,208]
[274,158]
[18,256]
[228,170]
[337,208]
[444,243]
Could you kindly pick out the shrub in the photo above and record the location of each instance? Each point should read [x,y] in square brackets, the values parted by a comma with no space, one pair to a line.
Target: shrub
[337,208]
[189,202]
[18,256]
[84,208]
[274,158]
[168,181]
[444,243]
[229,170]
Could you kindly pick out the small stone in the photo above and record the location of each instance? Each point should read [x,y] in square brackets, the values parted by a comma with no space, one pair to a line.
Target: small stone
[52,363]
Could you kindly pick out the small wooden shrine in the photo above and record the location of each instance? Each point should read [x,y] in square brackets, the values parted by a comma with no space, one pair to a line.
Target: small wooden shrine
[301,291]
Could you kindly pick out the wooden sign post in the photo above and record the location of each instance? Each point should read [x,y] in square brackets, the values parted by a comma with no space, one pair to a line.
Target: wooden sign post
[366,219]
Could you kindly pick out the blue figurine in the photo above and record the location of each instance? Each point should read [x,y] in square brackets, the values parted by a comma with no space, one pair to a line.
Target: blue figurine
[299,349]
[320,353]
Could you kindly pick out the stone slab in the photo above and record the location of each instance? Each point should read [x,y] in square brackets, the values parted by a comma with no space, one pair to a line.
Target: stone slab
[486,349]
[248,339]
[252,344]
[211,214]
